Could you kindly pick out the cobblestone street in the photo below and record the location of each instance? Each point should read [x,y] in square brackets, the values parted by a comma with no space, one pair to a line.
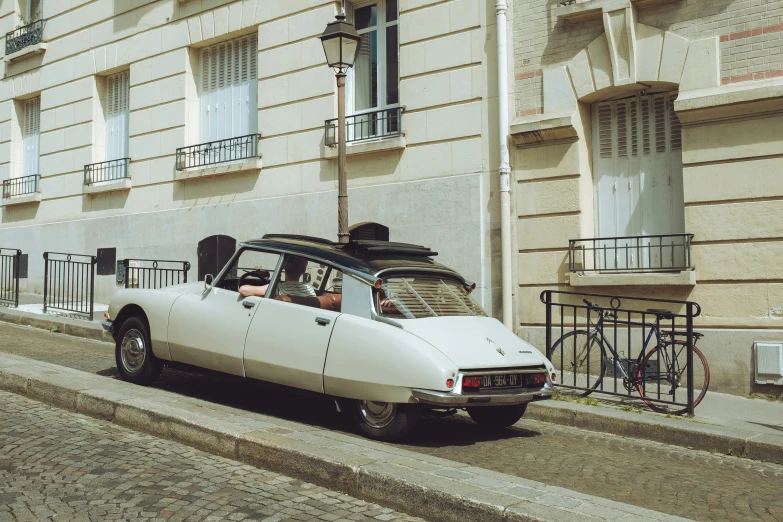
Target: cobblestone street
[56,465]
[671,479]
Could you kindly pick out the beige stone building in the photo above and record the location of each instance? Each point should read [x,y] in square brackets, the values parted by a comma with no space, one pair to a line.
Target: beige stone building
[657,122]
[154,126]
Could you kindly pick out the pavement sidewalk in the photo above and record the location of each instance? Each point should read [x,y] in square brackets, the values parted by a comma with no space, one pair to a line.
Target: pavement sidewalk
[726,424]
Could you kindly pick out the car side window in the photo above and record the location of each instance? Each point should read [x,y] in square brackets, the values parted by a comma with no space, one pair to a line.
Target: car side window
[252,268]
[307,282]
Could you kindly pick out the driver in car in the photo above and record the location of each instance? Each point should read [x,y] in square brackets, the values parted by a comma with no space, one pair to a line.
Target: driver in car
[292,290]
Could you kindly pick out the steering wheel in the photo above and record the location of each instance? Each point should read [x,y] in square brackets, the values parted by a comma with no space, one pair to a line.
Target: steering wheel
[259,277]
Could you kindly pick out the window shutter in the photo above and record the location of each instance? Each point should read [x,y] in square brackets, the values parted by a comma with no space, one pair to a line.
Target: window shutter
[31,136]
[117,115]
[229,86]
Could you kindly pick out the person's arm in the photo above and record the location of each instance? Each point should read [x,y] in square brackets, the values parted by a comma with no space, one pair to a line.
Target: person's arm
[250,290]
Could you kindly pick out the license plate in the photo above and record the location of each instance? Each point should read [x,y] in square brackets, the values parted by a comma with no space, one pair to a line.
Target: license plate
[501,381]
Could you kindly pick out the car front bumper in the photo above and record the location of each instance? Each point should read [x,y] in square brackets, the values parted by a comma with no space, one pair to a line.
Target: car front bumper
[455,399]
[108,326]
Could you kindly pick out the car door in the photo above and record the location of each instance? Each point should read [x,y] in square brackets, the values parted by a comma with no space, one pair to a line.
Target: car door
[287,342]
[208,328]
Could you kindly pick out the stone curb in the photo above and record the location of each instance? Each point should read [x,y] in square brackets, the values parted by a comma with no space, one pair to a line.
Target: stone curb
[668,431]
[421,485]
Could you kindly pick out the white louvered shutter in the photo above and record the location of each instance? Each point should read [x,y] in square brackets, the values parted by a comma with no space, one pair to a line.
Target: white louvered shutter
[637,175]
[229,89]
[31,136]
[117,115]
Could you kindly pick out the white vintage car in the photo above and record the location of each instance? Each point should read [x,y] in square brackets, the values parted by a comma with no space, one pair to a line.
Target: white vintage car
[379,326]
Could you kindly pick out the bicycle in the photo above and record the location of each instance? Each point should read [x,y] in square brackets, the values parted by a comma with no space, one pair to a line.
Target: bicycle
[584,355]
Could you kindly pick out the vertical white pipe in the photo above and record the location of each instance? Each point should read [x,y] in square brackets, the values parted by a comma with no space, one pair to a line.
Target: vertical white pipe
[505,168]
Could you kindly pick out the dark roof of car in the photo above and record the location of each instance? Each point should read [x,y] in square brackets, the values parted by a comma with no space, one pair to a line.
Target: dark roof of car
[366,257]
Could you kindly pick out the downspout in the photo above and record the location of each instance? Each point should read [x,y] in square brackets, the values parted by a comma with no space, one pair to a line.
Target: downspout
[504,169]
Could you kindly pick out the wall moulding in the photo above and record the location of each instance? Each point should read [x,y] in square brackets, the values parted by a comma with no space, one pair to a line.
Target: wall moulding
[542,129]
[578,11]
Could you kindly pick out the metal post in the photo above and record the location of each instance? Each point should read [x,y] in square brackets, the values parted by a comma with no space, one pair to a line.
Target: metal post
[17,264]
[548,298]
[689,348]
[126,264]
[92,285]
[46,277]
[342,195]
[187,268]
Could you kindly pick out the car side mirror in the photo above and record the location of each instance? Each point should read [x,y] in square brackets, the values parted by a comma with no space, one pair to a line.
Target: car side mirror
[209,280]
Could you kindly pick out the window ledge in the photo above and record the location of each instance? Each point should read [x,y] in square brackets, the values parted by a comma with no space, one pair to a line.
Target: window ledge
[686,278]
[217,170]
[108,186]
[18,200]
[23,53]
[367,147]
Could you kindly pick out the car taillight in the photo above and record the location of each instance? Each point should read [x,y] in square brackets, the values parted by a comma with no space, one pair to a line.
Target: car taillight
[449,383]
[471,383]
[539,378]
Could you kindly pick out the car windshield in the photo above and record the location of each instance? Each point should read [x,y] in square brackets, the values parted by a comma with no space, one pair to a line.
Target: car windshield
[413,297]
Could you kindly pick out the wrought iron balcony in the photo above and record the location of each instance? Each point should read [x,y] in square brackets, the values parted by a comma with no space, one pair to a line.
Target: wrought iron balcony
[655,253]
[215,152]
[21,186]
[384,123]
[106,171]
[26,36]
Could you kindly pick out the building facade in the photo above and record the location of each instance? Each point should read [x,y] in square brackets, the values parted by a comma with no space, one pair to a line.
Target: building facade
[648,152]
[150,126]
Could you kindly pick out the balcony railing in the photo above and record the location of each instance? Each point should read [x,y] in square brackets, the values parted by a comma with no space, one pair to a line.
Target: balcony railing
[655,253]
[26,36]
[214,152]
[106,171]
[368,125]
[21,186]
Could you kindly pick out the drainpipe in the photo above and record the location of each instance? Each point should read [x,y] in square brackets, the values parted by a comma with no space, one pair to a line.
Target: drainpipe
[505,169]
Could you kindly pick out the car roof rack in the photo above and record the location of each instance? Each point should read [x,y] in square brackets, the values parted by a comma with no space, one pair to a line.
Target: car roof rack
[375,247]
[298,237]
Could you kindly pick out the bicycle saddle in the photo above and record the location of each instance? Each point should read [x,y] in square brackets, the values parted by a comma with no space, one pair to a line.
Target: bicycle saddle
[662,314]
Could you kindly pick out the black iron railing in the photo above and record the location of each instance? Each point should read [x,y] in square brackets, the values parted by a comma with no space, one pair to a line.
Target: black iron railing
[214,152]
[9,276]
[69,283]
[21,186]
[152,273]
[106,171]
[384,123]
[26,36]
[625,346]
[655,253]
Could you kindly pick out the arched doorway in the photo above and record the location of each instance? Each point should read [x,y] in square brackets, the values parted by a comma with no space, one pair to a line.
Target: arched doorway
[213,254]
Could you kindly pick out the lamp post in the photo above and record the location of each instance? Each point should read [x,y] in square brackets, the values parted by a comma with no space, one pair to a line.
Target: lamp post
[341,41]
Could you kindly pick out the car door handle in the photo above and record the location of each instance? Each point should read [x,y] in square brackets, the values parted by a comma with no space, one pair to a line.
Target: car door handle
[323,321]
[248,304]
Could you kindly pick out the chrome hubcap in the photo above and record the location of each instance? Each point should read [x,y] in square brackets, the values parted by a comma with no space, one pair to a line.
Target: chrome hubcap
[377,414]
[133,351]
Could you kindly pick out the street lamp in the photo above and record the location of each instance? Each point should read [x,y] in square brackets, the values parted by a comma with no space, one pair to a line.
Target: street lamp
[341,41]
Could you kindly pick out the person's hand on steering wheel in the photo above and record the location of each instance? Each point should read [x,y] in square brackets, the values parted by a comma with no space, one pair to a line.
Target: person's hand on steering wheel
[261,278]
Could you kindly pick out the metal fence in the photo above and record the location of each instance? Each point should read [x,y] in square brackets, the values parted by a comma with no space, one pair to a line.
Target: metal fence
[668,252]
[214,152]
[69,283]
[9,276]
[106,171]
[26,36]
[377,124]
[21,186]
[625,346]
[151,273]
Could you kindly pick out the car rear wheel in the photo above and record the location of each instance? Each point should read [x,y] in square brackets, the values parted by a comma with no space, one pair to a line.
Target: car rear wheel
[133,353]
[497,417]
[385,421]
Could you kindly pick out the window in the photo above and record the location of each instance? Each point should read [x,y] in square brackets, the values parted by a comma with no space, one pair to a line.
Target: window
[256,267]
[637,164]
[31,135]
[32,11]
[415,297]
[117,115]
[229,90]
[374,80]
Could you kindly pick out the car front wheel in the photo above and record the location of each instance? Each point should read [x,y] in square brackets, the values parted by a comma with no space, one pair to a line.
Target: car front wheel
[385,421]
[497,417]
[133,353]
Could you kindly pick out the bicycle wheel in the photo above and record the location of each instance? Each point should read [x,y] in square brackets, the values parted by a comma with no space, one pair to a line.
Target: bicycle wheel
[654,382]
[580,362]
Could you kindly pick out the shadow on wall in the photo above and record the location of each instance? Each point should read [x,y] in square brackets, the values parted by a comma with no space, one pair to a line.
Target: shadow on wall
[18,213]
[106,201]
[212,190]
[124,16]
